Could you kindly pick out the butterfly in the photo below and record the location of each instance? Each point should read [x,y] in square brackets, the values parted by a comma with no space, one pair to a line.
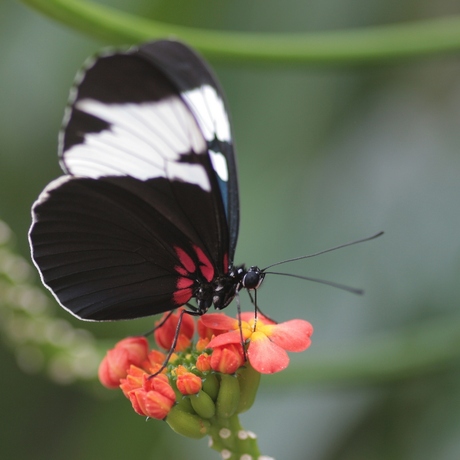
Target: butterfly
[146,215]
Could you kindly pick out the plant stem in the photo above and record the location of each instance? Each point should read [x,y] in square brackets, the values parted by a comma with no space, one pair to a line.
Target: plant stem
[353,46]
[229,438]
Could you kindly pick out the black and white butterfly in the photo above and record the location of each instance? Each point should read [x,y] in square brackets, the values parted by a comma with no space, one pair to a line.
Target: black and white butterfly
[146,217]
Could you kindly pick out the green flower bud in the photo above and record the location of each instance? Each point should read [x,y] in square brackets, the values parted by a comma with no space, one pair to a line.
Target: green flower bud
[203,404]
[228,397]
[211,385]
[187,424]
[184,404]
[249,380]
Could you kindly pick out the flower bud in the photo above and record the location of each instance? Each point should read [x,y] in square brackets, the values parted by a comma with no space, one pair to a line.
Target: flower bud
[137,348]
[249,380]
[188,383]
[151,397]
[134,379]
[227,358]
[165,334]
[155,357]
[203,362]
[150,403]
[211,386]
[186,424]
[228,397]
[203,404]
[202,344]
[184,405]
[115,365]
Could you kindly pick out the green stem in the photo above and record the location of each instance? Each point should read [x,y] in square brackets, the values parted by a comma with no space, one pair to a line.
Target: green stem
[428,347]
[231,440]
[367,44]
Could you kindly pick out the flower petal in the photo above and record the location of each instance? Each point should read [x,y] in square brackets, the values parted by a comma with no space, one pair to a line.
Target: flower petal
[248,316]
[219,321]
[292,335]
[225,339]
[265,356]
[165,334]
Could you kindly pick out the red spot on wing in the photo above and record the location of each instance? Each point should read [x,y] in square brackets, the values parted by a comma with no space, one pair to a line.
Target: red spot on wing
[183,283]
[185,260]
[181,270]
[182,296]
[206,267]
[188,266]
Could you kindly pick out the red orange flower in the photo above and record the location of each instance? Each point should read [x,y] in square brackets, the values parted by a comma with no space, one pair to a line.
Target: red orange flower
[164,335]
[115,365]
[224,344]
[203,362]
[227,358]
[267,341]
[150,396]
[187,382]
[206,332]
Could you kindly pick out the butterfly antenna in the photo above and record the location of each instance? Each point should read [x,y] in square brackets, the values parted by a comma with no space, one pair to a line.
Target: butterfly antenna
[151,331]
[328,283]
[321,252]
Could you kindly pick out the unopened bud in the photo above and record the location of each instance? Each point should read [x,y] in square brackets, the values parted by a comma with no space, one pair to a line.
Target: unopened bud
[228,397]
[249,380]
[203,404]
[186,424]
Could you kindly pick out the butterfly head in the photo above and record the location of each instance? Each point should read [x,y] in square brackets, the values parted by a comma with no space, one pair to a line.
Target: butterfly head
[252,278]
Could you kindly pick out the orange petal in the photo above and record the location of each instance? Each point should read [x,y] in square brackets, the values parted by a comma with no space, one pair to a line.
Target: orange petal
[225,339]
[219,321]
[292,335]
[265,356]
[248,316]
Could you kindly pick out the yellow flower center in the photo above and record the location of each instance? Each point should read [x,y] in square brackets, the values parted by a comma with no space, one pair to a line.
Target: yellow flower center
[256,331]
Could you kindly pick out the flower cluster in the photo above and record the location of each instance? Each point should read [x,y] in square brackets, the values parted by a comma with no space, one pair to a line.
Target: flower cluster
[210,380]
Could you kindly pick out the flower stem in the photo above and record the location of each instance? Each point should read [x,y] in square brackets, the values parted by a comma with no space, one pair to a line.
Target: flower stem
[363,45]
[231,440]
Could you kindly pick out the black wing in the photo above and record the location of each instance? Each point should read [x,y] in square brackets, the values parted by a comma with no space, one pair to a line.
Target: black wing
[201,91]
[141,215]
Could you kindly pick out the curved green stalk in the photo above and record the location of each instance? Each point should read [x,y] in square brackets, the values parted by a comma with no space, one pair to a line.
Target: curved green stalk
[367,44]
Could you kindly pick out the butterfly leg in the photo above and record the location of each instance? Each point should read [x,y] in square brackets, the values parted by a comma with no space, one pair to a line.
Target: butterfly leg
[257,308]
[238,308]
[194,312]
[151,331]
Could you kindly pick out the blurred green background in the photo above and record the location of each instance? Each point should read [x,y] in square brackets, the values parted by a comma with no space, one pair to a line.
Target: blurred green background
[326,155]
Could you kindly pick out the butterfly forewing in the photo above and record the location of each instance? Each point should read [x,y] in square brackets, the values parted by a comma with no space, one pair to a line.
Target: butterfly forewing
[202,93]
[141,216]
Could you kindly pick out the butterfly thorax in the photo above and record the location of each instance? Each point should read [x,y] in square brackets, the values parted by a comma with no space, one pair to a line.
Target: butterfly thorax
[222,290]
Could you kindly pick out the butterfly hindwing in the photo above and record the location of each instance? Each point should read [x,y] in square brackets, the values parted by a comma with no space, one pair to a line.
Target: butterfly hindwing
[142,211]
